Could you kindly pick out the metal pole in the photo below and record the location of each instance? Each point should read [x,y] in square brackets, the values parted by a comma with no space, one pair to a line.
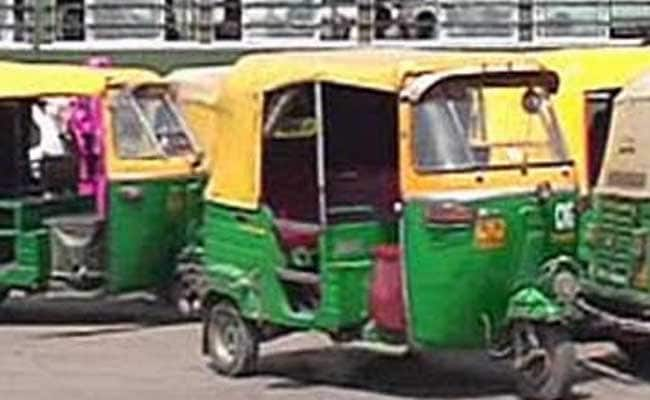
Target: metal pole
[38,23]
[205,21]
[365,21]
[320,153]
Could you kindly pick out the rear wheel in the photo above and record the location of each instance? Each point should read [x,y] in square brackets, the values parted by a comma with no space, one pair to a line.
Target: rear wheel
[232,342]
[544,360]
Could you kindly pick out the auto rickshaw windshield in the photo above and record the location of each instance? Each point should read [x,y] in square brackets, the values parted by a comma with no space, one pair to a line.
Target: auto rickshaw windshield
[461,125]
[147,125]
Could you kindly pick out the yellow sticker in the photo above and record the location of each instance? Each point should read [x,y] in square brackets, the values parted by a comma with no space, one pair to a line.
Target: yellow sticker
[490,233]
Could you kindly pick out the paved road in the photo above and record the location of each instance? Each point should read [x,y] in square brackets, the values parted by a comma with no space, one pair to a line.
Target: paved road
[137,351]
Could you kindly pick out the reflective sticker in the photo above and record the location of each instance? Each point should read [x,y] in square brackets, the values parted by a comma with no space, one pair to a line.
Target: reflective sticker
[565,216]
[490,232]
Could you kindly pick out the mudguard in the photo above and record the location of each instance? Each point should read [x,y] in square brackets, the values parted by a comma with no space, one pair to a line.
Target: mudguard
[538,301]
[532,304]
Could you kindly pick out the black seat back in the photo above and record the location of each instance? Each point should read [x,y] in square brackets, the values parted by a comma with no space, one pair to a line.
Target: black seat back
[59,173]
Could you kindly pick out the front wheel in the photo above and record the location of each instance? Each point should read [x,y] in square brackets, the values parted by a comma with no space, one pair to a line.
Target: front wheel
[638,355]
[232,342]
[544,360]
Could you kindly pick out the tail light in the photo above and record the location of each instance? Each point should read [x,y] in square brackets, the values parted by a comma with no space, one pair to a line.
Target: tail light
[450,213]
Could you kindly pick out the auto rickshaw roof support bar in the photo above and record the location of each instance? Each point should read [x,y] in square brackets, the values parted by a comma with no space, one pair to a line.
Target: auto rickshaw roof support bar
[320,153]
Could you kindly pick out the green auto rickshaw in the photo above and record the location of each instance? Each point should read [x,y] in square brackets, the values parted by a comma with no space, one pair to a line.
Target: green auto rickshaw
[390,196]
[101,181]
[608,295]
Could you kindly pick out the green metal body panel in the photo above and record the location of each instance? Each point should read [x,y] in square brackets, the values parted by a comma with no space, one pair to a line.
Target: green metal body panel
[453,285]
[243,257]
[25,239]
[143,235]
[347,260]
[146,234]
[615,248]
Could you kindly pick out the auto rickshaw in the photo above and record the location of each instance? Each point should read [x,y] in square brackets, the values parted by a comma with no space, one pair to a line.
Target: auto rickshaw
[609,295]
[99,190]
[391,196]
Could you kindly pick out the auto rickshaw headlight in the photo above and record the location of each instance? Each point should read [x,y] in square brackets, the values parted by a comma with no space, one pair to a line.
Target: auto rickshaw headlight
[566,286]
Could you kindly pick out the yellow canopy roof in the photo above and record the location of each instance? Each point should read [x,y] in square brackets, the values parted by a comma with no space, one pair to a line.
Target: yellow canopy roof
[582,71]
[381,69]
[199,84]
[637,89]
[22,80]
[236,153]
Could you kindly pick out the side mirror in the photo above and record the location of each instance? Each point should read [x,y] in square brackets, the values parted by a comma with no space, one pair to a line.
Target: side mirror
[532,101]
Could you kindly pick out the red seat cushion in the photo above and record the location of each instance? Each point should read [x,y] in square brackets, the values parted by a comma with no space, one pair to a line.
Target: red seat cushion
[298,234]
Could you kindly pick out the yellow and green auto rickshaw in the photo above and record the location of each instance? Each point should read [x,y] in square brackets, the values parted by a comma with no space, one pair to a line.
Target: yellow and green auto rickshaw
[100,188]
[609,296]
[391,196]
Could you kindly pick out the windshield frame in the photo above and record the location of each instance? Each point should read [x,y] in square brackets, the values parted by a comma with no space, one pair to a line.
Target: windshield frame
[552,127]
[130,94]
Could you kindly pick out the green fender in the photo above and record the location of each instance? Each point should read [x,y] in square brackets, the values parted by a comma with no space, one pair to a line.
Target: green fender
[239,287]
[532,304]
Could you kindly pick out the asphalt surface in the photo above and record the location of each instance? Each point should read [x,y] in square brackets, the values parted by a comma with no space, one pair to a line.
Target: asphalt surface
[137,350]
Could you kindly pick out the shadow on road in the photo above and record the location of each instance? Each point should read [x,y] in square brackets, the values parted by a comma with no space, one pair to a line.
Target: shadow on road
[452,375]
[73,312]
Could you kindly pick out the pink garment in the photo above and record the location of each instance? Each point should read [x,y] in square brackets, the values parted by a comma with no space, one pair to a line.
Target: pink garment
[87,128]
[86,124]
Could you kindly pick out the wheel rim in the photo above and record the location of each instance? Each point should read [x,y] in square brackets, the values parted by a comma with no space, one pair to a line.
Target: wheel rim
[537,369]
[535,363]
[226,338]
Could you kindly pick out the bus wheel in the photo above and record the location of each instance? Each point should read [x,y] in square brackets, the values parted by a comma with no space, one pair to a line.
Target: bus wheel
[232,342]
[544,360]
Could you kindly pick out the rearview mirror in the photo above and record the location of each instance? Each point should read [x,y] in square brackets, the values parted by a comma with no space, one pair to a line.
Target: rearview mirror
[532,101]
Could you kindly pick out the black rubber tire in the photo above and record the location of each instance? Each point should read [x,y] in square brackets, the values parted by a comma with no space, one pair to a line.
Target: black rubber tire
[232,342]
[187,291]
[638,356]
[550,377]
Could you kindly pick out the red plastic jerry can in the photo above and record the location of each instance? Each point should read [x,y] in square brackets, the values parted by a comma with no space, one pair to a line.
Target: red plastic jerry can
[387,301]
